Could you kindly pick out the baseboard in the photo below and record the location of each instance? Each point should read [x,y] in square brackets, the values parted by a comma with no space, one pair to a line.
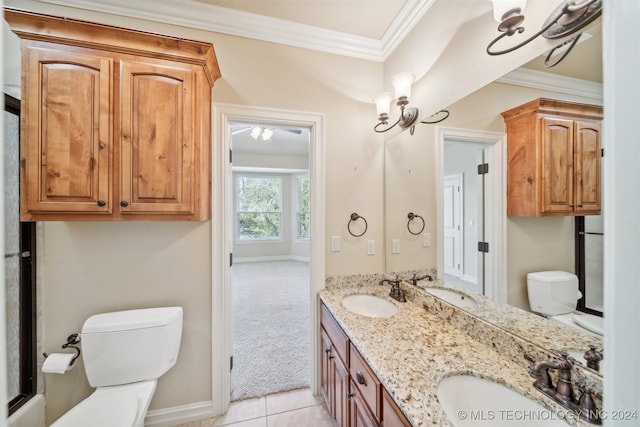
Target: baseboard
[272,258]
[179,414]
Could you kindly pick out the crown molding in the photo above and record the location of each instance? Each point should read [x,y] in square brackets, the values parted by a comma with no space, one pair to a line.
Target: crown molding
[202,16]
[554,82]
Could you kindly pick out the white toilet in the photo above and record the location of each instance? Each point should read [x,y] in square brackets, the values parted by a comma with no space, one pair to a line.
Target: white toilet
[554,294]
[124,354]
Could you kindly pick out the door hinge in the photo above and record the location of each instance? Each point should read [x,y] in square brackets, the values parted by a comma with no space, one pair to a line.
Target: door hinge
[231,363]
[231,259]
[602,152]
[230,155]
[483,247]
[483,169]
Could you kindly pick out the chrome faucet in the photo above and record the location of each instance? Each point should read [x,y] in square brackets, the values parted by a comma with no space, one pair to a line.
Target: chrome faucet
[563,392]
[395,293]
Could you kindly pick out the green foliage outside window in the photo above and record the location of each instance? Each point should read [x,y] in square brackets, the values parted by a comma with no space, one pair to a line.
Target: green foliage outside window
[302,207]
[259,207]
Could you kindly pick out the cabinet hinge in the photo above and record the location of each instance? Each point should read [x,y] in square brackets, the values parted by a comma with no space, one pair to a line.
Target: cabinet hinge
[483,247]
[483,169]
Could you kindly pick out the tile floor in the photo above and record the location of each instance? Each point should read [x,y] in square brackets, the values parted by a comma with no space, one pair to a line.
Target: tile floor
[288,409]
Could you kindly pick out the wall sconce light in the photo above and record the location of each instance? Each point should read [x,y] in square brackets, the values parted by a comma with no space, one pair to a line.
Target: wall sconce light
[567,18]
[408,115]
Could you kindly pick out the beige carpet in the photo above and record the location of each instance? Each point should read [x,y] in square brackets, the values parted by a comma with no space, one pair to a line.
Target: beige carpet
[270,327]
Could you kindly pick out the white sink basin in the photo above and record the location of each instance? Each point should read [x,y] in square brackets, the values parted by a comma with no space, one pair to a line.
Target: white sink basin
[369,305]
[472,401]
[452,297]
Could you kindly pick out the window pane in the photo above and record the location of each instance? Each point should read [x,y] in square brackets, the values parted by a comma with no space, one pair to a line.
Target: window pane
[302,205]
[257,226]
[259,212]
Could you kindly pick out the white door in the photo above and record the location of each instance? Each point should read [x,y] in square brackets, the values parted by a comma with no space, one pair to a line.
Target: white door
[453,224]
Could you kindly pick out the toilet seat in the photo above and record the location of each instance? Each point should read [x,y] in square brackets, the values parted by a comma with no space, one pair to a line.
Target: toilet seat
[582,321]
[122,406]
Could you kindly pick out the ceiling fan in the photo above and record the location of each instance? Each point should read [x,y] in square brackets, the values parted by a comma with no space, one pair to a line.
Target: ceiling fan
[264,133]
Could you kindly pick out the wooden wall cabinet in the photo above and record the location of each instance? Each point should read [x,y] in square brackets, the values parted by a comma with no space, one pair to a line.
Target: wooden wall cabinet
[553,159]
[353,394]
[116,123]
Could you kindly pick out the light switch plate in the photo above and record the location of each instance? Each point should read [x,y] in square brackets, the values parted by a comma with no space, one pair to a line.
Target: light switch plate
[426,240]
[335,243]
[371,247]
[395,246]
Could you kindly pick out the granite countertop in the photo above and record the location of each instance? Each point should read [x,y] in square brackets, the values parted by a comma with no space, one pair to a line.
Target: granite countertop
[413,350]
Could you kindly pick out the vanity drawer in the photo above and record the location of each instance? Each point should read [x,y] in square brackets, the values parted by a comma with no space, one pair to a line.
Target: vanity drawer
[365,380]
[336,334]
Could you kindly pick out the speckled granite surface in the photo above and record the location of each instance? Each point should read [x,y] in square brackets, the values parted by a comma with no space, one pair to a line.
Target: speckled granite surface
[413,350]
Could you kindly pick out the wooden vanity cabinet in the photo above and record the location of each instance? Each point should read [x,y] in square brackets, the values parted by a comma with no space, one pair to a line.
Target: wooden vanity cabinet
[392,415]
[334,372]
[116,123]
[553,159]
[353,394]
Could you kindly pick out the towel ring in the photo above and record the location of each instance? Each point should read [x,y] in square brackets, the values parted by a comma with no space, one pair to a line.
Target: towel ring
[354,217]
[411,217]
[444,113]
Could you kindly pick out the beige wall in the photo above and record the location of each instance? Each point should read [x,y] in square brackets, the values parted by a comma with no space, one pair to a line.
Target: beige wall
[95,267]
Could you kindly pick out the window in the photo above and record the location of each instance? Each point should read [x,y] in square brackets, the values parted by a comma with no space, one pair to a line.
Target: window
[302,207]
[259,207]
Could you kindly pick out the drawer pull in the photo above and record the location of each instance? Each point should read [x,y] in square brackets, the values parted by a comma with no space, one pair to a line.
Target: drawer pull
[360,378]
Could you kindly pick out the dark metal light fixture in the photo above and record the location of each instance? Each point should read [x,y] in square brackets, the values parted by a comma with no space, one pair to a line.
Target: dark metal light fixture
[408,115]
[566,19]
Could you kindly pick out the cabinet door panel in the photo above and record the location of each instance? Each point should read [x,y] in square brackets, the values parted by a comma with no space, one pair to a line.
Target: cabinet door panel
[587,162]
[557,165]
[341,390]
[156,139]
[67,143]
[360,413]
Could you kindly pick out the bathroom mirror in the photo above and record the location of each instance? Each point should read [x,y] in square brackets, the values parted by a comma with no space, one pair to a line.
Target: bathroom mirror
[412,187]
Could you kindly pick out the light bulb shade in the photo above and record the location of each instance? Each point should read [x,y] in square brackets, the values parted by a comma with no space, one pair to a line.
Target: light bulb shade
[383,103]
[402,84]
[255,132]
[267,134]
[503,7]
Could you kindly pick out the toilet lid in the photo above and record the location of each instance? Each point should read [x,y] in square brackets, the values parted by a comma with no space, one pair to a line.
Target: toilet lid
[102,410]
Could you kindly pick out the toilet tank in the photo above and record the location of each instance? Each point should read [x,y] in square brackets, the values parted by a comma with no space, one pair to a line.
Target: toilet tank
[129,346]
[553,292]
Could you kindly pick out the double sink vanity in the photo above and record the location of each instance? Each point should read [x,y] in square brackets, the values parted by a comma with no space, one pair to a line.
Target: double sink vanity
[434,360]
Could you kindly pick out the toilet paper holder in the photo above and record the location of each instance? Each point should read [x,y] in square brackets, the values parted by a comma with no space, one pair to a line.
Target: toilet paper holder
[72,341]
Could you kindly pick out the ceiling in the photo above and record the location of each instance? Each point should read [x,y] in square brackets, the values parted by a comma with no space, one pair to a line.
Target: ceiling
[367,29]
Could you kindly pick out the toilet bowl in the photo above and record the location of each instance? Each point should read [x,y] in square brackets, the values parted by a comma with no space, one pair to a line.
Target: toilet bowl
[124,405]
[554,294]
[124,354]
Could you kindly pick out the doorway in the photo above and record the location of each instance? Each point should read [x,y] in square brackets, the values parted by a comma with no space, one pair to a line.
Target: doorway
[270,272]
[489,220]
[223,235]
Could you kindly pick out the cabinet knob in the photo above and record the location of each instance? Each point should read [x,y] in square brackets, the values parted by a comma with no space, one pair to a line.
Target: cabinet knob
[350,395]
[101,203]
[331,357]
[360,378]
[580,206]
[572,206]
[124,203]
